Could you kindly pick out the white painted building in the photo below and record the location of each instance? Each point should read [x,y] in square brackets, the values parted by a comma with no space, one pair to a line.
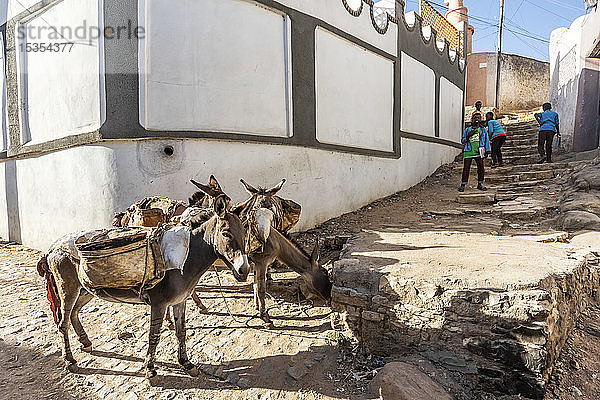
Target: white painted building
[575,81]
[347,109]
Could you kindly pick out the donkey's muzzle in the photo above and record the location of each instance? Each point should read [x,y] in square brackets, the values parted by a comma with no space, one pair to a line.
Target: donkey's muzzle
[241,268]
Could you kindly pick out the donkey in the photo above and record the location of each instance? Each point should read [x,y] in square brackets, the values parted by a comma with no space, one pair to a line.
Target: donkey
[222,236]
[275,246]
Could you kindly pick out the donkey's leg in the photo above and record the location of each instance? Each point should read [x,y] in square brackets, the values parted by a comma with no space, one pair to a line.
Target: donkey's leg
[157,313]
[198,302]
[255,289]
[260,291]
[82,300]
[179,314]
[169,319]
[68,300]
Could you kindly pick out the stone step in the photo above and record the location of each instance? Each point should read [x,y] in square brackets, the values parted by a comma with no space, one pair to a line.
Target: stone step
[520,142]
[529,147]
[521,212]
[488,197]
[514,169]
[519,160]
[523,131]
[523,151]
[502,178]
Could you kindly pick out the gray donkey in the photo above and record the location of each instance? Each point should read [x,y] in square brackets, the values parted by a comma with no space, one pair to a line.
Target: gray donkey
[222,236]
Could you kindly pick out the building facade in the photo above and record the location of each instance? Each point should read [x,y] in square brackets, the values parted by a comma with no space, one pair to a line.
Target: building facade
[575,80]
[109,101]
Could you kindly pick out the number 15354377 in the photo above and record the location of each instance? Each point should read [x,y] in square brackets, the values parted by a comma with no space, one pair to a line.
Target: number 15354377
[42,47]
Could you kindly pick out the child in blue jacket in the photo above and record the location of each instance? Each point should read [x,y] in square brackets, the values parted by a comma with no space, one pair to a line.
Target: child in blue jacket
[477,144]
[497,139]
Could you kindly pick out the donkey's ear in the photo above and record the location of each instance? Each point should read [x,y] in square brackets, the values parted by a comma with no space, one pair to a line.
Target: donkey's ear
[212,182]
[249,188]
[206,189]
[276,189]
[314,257]
[221,206]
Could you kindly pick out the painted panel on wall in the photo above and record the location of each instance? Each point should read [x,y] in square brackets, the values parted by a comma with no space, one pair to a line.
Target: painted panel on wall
[59,65]
[221,66]
[418,97]
[451,108]
[355,94]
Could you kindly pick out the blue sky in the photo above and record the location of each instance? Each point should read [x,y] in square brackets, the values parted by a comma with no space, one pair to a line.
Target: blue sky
[524,20]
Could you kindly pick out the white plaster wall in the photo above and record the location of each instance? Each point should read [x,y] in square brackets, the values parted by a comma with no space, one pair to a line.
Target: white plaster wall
[3,203]
[334,13]
[451,105]
[66,191]
[97,180]
[418,97]
[355,94]
[565,69]
[3,104]
[62,89]
[590,31]
[222,65]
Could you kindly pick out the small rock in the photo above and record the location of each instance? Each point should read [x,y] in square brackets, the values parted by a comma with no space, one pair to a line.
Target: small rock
[244,383]
[232,378]
[124,335]
[319,357]
[403,381]
[297,371]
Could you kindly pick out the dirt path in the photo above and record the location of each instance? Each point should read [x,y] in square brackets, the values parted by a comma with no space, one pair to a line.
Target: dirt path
[238,358]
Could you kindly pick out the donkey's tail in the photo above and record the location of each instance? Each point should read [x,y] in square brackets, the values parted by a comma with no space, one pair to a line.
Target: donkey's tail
[51,288]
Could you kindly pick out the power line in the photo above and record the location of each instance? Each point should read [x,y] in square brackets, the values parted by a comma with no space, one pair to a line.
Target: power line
[569,6]
[529,36]
[518,8]
[545,9]
[485,36]
[517,26]
[528,45]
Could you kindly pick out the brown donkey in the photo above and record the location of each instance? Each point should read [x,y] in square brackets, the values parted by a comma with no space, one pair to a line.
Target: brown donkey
[222,236]
[261,214]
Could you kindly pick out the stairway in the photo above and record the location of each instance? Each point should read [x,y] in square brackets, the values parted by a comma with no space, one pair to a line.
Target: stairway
[522,189]
[521,143]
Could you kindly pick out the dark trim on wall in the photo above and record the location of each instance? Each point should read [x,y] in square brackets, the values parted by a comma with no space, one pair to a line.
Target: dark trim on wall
[431,139]
[122,82]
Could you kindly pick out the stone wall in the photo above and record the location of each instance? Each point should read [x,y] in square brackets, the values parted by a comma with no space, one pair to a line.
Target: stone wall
[512,334]
[524,82]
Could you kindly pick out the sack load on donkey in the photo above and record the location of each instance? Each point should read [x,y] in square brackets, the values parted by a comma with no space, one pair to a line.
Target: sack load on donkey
[135,258]
[150,212]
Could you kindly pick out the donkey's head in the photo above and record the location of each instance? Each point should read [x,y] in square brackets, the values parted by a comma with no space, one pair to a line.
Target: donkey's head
[227,235]
[205,198]
[318,277]
[263,198]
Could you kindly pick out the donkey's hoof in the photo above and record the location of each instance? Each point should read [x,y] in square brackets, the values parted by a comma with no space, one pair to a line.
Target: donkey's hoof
[71,366]
[269,325]
[193,371]
[151,375]
[87,349]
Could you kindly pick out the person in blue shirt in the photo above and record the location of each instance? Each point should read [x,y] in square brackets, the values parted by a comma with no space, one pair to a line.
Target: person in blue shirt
[497,138]
[548,121]
[477,144]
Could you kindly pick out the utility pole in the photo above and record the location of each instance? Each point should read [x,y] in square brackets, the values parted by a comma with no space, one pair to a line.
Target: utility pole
[499,54]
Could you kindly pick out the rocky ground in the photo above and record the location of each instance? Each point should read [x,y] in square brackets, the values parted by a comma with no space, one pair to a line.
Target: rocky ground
[302,358]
